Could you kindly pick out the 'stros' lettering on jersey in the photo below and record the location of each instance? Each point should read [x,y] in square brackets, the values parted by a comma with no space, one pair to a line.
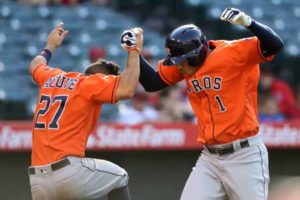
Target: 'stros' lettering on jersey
[61,82]
[49,103]
[208,83]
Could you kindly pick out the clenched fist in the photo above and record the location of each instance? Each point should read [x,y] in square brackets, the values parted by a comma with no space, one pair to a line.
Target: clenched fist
[132,39]
[235,16]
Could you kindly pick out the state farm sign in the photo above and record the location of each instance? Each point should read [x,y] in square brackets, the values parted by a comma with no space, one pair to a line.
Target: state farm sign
[138,136]
[16,136]
[281,134]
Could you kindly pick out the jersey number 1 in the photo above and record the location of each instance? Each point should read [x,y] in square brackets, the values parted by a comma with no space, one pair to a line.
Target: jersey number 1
[54,122]
[222,107]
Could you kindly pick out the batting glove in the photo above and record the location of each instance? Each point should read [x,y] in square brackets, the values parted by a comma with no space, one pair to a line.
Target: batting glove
[235,16]
[128,40]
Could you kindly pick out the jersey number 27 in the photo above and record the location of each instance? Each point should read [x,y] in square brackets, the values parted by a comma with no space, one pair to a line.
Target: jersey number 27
[54,123]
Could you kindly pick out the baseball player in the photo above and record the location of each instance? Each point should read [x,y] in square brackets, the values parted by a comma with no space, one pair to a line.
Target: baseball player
[67,111]
[221,78]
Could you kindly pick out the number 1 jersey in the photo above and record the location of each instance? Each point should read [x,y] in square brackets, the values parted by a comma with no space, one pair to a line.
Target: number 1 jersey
[223,91]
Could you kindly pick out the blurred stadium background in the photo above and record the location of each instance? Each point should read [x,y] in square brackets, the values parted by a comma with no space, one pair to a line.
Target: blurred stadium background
[157,171]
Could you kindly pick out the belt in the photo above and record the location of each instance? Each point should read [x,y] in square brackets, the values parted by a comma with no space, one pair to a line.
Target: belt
[228,149]
[54,166]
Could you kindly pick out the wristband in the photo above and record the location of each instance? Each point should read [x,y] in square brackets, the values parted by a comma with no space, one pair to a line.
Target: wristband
[46,54]
[135,49]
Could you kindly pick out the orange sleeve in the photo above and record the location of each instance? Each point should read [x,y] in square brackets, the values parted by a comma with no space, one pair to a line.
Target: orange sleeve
[248,51]
[42,72]
[169,74]
[100,88]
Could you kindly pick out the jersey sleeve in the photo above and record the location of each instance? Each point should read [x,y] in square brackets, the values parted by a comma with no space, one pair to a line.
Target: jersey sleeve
[42,72]
[100,88]
[248,50]
[169,74]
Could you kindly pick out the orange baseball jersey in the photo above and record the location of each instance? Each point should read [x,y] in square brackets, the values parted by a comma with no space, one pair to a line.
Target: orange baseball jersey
[223,91]
[67,111]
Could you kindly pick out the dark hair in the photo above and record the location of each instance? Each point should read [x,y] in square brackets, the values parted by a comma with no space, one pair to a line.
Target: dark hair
[103,66]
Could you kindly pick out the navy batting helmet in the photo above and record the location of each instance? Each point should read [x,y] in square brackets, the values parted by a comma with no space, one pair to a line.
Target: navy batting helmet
[186,42]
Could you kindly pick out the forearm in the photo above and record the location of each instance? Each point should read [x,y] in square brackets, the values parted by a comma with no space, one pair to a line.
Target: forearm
[270,42]
[55,38]
[130,77]
[43,58]
[149,78]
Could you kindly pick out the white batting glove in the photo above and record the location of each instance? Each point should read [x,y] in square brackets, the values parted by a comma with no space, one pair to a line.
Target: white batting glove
[132,39]
[235,16]
[128,40]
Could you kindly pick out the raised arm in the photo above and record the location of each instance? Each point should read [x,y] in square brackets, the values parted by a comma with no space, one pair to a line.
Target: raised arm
[55,38]
[130,77]
[270,42]
[150,78]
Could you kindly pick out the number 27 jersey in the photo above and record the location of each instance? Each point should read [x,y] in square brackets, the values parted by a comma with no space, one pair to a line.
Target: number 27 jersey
[67,111]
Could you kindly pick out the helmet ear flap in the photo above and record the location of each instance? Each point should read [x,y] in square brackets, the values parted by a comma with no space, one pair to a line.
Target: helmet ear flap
[198,58]
[194,60]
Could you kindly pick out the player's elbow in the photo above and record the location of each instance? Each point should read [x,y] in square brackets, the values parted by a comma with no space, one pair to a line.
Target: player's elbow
[123,94]
[38,60]
[151,89]
[31,68]
[279,45]
[276,45]
[148,90]
[129,94]
[154,86]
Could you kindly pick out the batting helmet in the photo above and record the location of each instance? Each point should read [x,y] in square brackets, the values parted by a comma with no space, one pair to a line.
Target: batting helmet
[186,42]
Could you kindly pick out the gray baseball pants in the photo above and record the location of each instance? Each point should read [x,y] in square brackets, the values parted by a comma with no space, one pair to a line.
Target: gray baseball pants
[240,175]
[82,178]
